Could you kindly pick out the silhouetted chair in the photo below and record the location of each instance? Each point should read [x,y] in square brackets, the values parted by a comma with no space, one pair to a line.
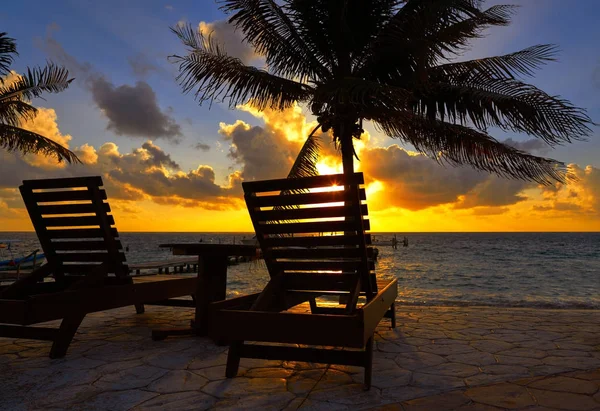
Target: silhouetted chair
[314,243]
[86,269]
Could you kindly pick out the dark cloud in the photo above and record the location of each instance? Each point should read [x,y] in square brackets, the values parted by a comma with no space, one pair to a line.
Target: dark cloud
[131,110]
[142,66]
[202,146]
[263,152]
[158,157]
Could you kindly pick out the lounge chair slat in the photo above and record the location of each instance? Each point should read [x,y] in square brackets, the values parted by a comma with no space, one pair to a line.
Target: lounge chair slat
[322,265]
[317,281]
[79,233]
[71,209]
[70,182]
[83,245]
[90,257]
[298,199]
[329,252]
[58,196]
[302,183]
[330,240]
[316,227]
[85,269]
[75,221]
[306,213]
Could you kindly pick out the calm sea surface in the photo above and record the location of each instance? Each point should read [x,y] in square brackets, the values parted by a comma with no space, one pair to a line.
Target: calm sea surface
[559,270]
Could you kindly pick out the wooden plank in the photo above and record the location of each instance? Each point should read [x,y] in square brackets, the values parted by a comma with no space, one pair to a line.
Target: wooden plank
[12,311]
[75,221]
[58,196]
[32,333]
[302,183]
[71,209]
[86,269]
[78,233]
[316,253]
[375,310]
[90,257]
[315,227]
[346,266]
[83,245]
[69,182]
[305,354]
[298,199]
[286,327]
[334,240]
[307,213]
[329,282]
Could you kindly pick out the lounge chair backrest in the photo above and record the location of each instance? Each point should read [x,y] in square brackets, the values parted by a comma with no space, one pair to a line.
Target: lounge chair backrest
[72,221]
[306,226]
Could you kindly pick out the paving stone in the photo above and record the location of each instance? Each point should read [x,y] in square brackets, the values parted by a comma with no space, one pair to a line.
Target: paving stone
[182,401]
[567,353]
[564,400]
[217,373]
[395,377]
[136,377]
[452,369]
[524,352]
[418,360]
[500,369]
[115,400]
[440,402]
[447,349]
[276,401]
[587,375]
[491,346]
[395,347]
[505,395]
[441,382]
[349,394]
[236,387]
[173,361]
[312,405]
[177,381]
[581,363]
[211,361]
[565,384]
[269,372]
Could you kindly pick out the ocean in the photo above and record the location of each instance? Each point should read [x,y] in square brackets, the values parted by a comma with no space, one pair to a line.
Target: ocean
[550,270]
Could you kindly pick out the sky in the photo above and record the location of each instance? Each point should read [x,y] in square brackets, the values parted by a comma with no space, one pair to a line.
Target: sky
[169,164]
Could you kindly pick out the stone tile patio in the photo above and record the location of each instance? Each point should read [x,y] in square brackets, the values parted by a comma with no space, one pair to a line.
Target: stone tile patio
[439,358]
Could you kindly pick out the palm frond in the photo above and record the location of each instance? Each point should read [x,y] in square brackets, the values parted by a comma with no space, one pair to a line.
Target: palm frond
[306,162]
[523,62]
[422,33]
[25,141]
[14,111]
[49,79]
[460,145]
[508,104]
[269,29]
[8,51]
[215,76]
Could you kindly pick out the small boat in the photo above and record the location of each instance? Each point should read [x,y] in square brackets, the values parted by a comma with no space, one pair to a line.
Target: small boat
[9,262]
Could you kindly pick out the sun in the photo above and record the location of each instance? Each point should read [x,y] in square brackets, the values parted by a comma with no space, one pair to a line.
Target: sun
[325,168]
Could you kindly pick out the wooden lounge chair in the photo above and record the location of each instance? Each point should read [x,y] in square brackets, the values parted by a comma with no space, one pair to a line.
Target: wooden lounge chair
[86,269]
[314,243]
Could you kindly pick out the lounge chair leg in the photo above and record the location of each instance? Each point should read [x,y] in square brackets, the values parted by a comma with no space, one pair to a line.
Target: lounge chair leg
[233,359]
[368,363]
[393,308]
[139,308]
[313,305]
[68,328]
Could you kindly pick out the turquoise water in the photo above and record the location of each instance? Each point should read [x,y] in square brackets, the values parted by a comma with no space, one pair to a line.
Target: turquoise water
[560,270]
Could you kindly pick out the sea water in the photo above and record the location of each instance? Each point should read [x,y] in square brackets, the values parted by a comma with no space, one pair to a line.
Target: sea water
[557,270]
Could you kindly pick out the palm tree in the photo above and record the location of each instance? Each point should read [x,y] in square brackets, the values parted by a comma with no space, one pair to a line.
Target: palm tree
[392,63]
[15,107]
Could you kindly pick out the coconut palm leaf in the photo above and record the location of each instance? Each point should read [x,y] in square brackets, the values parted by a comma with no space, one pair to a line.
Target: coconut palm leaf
[18,139]
[214,75]
[8,51]
[49,79]
[305,164]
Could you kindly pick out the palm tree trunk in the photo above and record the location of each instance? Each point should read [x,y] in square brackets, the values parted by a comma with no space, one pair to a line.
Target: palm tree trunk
[347,149]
